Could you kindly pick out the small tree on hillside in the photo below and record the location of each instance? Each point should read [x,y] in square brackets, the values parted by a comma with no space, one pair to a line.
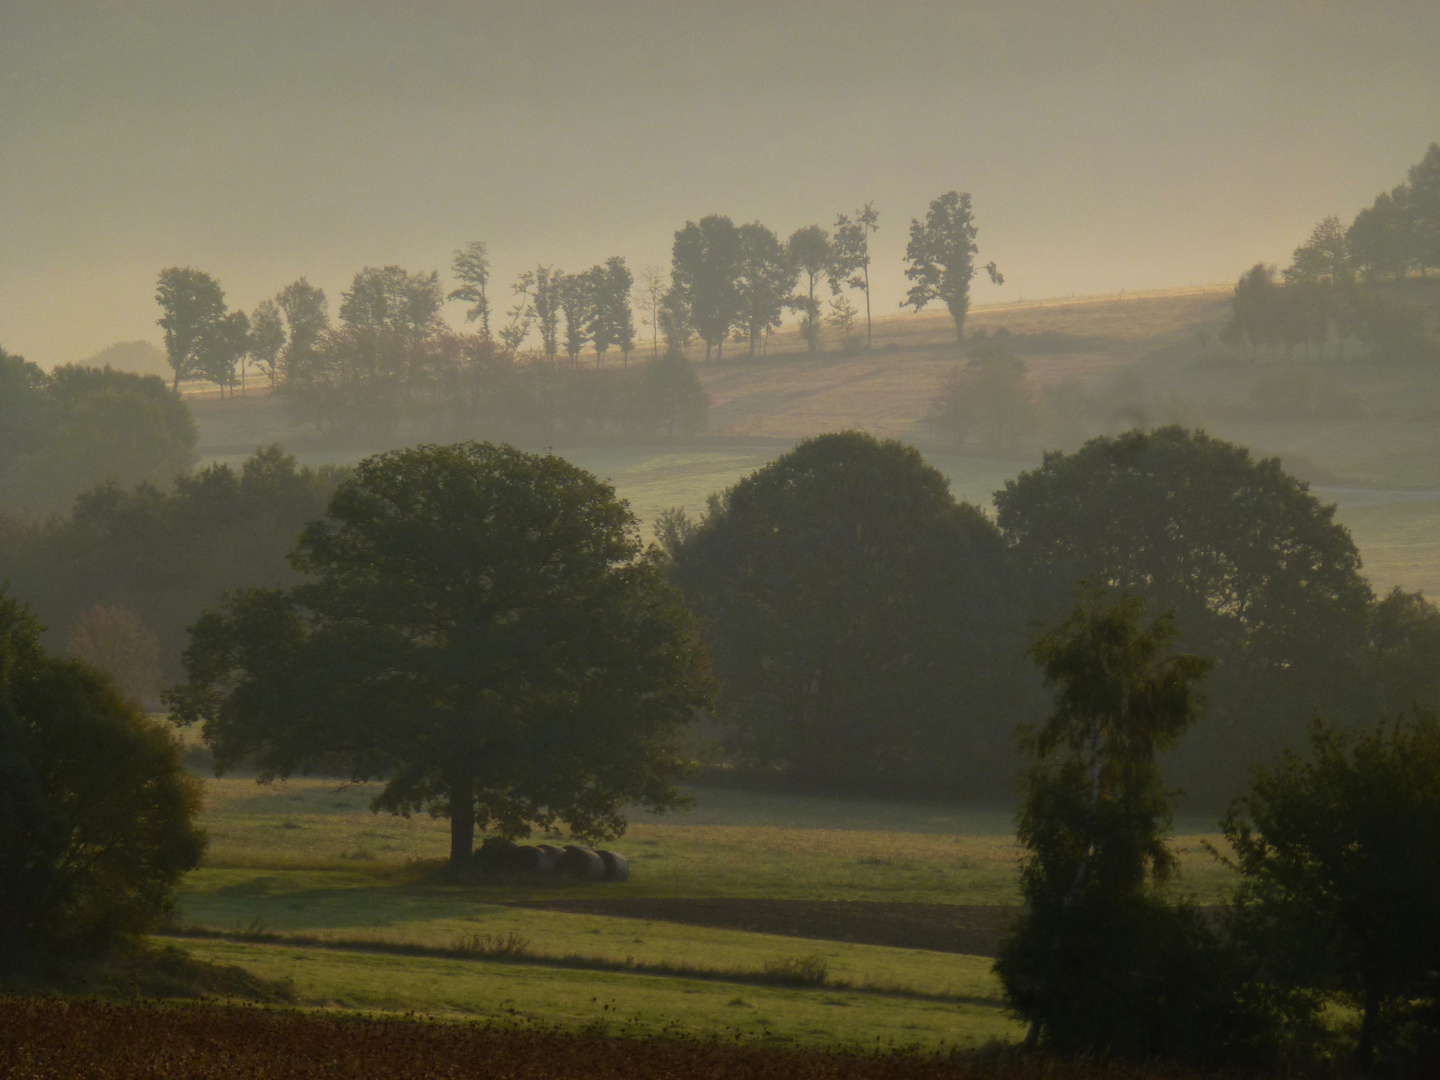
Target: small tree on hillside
[547,305]
[941,253]
[704,277]
[521,315]
[649,295]
[576,303]
[766,281]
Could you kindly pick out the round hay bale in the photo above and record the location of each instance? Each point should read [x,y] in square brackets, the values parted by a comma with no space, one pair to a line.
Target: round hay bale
[496,855]
[581,863]
[616,867]
[534,860]
[554,852]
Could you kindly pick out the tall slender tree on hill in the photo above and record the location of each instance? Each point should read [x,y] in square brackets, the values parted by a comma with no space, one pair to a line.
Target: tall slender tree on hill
[546,303]
[575,303]
[521,315]
[941,253]
[650,294]
[810,251]
[852,256]
[472,266]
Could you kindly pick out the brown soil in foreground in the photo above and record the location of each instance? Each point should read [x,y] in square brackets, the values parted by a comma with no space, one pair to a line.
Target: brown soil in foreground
[976,930]
[50,1039]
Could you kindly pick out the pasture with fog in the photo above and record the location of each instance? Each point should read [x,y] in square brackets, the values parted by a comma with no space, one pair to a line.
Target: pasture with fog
[858,615]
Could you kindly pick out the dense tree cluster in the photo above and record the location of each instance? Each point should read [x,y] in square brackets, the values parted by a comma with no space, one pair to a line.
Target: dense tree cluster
[866,628]
[79,426]
[160,557]
[1331,290]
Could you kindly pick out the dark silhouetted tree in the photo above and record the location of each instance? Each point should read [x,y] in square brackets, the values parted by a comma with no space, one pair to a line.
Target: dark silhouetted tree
[547,305]
[481,631]
[472,267]
[1339,855]
[1256,569]
[97,812]
[191,302]
[704,275]
[307,317]
[1081,966]
[267,339]
[866,628]
[941,257]
[766,281]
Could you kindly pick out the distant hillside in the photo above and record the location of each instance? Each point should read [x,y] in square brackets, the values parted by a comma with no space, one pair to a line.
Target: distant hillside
[789,393]
[140,357]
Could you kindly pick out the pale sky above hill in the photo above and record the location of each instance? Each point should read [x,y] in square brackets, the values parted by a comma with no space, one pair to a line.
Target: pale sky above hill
[1107,145]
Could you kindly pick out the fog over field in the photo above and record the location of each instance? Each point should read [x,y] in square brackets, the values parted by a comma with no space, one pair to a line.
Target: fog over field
[1108,145]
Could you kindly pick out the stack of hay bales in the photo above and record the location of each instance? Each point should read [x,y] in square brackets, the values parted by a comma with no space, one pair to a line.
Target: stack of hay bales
[498,857]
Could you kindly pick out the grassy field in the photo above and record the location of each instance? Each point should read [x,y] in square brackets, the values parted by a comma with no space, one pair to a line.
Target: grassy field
[303,882]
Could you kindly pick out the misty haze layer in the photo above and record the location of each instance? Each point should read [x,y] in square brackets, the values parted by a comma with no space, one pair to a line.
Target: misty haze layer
[1107,146]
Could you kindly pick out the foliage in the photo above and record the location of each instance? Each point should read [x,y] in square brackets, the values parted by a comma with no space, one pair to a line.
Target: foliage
[1257,571]
[472,267]
[1340,856]
[850,252]
[481,630]
[307,317]
[941,253]
[388,299]
[704,274]
[766,281]
[864,625]
[811,253]
[78,426]
[990,404]
[1104,963]
[548,306]
[165,555]
[267,339]
[191,302]
[96,810]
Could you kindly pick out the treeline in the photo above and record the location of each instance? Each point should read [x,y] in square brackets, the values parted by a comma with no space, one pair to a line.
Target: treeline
[1322,297]
[868,632]
[117,580]
[67,431]
[391,361]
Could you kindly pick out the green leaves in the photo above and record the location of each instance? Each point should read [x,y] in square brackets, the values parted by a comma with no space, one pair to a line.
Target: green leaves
[480,629]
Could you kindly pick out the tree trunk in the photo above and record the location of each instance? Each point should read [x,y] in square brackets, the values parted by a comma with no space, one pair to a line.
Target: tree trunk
[869,341]
[462,821]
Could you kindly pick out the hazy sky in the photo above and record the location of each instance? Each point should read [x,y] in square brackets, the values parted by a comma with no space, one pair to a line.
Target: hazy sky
[1130,145]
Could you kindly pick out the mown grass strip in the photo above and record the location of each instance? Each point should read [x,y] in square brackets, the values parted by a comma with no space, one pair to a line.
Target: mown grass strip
[787,974]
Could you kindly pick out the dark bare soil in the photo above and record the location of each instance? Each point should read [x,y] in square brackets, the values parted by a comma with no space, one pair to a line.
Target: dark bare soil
[952,928]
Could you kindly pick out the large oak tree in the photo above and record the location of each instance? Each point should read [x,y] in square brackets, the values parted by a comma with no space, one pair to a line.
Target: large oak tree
[481,631]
